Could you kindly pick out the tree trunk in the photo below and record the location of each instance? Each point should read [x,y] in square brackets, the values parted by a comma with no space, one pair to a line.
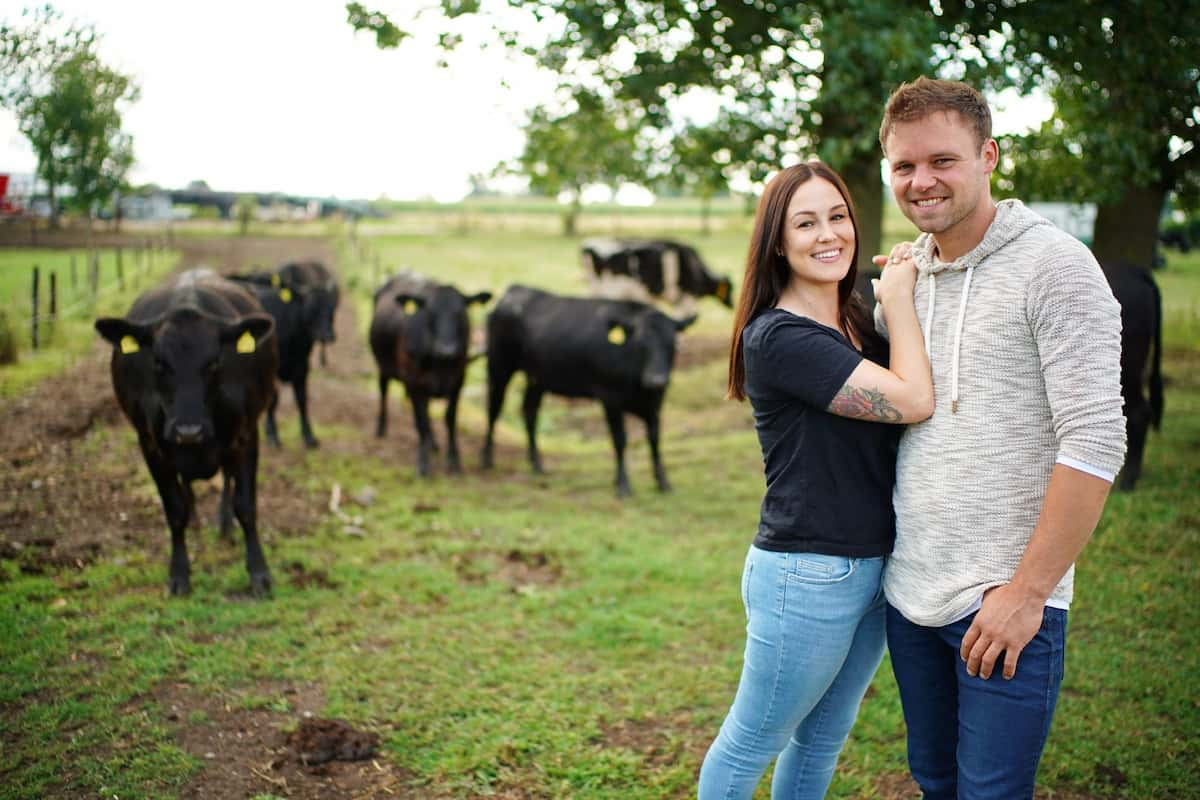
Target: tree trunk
[1126,230]
[862,179]
[571,216]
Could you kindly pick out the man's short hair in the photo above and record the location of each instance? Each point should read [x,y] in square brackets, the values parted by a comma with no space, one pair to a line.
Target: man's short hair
[925,96]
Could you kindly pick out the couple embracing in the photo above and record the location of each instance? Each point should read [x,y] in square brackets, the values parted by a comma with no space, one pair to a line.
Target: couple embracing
[932,472]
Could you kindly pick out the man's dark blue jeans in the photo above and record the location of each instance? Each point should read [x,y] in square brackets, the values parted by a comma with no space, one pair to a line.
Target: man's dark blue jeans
[970,738]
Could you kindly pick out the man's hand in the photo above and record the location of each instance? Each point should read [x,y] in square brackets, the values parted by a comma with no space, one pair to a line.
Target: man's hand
[1008,620]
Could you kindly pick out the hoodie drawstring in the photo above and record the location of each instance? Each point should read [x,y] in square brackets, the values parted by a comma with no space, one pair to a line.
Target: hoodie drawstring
[958,328]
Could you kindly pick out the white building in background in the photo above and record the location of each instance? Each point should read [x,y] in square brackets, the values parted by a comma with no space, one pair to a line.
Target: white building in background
[1076,219]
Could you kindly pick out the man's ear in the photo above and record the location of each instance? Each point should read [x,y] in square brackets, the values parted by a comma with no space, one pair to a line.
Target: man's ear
[990,154]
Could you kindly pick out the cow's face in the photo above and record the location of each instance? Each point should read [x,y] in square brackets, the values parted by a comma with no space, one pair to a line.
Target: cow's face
[649,337]
[180,360]
[438,331]
[320,305]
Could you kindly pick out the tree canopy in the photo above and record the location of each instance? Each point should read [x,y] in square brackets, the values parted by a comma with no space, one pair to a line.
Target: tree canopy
[68,105]
[592,142]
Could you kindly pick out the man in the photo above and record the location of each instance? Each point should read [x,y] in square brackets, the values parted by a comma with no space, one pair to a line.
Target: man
[997,493]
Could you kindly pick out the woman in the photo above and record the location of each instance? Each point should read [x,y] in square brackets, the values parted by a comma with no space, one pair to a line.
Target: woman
[820,380]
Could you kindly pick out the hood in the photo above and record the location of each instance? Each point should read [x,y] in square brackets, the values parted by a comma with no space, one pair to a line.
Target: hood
[1012,219]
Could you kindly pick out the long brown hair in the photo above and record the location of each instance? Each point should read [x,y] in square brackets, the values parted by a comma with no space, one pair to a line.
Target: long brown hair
[768,272]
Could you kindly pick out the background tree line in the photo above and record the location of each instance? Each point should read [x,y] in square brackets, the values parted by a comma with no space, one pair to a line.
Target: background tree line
[68,103]
[811,78]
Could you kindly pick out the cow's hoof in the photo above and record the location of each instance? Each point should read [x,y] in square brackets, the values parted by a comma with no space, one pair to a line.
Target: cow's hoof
[312,443]
[274,442]
[179,586]
[624,491]
[664,487]
[454,467]
[260,584]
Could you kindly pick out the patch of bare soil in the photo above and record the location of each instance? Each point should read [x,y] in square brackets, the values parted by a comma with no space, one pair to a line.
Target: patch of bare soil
[694,349]
[294,754]
[523,570]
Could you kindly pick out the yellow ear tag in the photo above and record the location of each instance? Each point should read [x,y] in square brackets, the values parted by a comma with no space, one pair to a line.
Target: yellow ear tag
[245,343]
[274,280]
[129,345]
[410,306]
[617,335]
[285,294]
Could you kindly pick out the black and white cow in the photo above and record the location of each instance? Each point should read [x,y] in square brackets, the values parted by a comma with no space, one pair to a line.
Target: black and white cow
[1141,360]
[649,270]
[619,352]
[193,367]
[302,298]
[420,335]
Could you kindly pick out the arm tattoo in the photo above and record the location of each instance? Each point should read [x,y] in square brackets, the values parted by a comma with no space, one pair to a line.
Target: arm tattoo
[868,404]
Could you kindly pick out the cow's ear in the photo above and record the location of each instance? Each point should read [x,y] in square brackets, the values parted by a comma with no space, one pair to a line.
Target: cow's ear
[618,332]
[248,331]
[481,297]
[411,303]
[724,291]
[685,323]
[128,336]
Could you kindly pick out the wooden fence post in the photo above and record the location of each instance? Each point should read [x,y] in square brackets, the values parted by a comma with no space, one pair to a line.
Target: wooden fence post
[94,276]
[53,298]
[33,325]
[120,273]
[74,275]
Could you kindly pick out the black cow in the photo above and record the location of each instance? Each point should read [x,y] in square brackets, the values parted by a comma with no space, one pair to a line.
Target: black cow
[193,367]
[1141,360]
[648,270]
[302,298]
[420,335]
[617,351]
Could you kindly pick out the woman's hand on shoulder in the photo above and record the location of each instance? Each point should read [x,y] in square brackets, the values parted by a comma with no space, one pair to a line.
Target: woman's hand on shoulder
[899,275]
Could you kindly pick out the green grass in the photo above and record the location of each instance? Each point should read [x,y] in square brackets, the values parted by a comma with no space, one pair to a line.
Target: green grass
[63,341]
[498,642]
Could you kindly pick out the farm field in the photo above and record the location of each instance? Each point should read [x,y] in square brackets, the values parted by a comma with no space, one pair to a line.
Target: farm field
[502,634]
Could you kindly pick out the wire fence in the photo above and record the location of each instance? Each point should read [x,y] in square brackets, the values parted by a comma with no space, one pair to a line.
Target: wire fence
[51,302]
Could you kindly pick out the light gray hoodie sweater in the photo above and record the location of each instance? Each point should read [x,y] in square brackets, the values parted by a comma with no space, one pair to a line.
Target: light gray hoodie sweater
[1024,338]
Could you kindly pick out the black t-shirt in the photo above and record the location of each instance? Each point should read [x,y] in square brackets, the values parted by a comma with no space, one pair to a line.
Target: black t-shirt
[829,478]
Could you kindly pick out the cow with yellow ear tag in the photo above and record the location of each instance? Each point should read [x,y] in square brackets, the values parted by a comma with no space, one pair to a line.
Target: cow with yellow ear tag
[420,336]
[193,367]
[618,351]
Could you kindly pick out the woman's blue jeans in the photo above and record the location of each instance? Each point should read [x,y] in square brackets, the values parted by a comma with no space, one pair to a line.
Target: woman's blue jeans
[814,638]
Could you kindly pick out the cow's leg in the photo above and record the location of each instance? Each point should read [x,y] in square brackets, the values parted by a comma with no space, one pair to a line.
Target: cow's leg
[300,392]
[172,492]
[245,496]
[225,512]
[420,406]
[1137,424]
[616,426]
[453,463]
[660,473]
[271,431]
[498,378]
[381,422]
[529,407]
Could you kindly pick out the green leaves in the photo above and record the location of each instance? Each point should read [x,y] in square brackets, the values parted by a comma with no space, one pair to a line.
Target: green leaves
[387,35]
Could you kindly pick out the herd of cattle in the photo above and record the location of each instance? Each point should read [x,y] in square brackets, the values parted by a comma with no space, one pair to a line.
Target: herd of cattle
[195,363]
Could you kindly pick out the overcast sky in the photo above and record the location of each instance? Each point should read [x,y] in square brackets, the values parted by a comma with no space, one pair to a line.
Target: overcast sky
[266,95]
